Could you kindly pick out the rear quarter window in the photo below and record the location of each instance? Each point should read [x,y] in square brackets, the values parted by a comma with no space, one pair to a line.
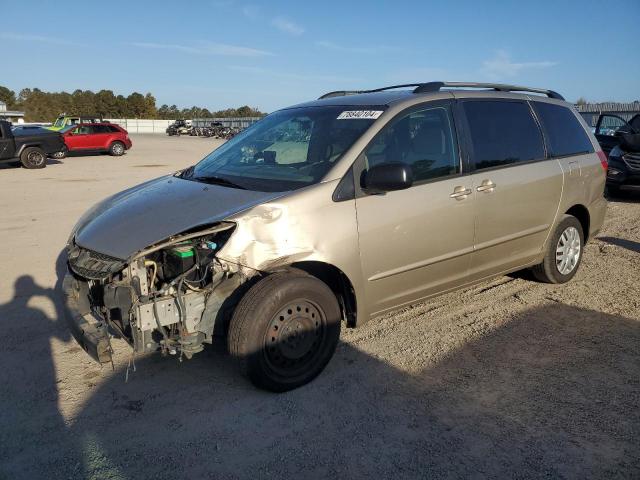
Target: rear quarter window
[113,129]
[502,133]
[564,133]
[101,129]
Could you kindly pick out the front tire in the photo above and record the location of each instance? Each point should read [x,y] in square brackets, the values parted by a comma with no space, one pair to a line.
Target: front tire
[59,155]
[285,330]
[33,157]
[564,253]
[117,149]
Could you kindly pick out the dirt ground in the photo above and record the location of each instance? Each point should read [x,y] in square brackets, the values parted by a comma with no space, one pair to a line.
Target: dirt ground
[509,379]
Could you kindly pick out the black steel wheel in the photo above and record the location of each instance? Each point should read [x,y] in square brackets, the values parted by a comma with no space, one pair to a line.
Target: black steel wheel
[294,336]
[285,330]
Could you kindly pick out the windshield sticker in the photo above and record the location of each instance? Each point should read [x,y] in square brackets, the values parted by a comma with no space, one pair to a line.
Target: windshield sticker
[360,114]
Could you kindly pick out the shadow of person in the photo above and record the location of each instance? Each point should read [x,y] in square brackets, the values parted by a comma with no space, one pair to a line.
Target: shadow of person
[553,392]
[29,394]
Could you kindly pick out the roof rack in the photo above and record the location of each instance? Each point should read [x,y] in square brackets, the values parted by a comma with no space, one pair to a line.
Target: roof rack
[342,93]
[437,86]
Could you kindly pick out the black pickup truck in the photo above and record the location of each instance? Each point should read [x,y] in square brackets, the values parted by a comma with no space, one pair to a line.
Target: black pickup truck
[29,147]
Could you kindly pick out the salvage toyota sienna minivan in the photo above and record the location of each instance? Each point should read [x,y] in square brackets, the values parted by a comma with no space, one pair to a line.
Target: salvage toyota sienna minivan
[336,211]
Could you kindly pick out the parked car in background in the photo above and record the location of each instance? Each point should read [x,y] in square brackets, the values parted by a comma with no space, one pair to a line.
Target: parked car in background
[64,121]
[336,211]
[611,128]
[179,127]
[96,137]
[620,140]
[28,146]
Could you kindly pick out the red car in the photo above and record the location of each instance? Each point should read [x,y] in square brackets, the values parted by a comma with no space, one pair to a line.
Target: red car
[96,137]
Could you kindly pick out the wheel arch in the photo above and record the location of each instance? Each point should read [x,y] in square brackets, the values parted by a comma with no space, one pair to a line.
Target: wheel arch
[582,214]
[28,145]
[337,281]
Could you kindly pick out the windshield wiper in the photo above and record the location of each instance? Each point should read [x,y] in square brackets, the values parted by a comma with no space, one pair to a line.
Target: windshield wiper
[187,172]
[217,181]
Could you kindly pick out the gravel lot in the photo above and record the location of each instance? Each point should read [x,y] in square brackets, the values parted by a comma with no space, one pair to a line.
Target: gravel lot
[509,379]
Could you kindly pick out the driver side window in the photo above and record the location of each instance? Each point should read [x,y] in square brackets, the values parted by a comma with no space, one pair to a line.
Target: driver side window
[424,139]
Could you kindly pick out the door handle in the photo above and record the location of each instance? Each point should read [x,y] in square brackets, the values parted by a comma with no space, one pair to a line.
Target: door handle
[460,193]
[486,186]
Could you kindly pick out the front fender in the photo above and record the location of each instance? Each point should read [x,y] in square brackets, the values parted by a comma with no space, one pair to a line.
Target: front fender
[304,226]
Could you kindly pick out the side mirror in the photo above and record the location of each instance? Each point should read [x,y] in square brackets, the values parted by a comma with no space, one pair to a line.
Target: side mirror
[387,177]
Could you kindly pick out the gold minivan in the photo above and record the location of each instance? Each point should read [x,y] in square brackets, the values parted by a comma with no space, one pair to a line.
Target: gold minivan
[337,211]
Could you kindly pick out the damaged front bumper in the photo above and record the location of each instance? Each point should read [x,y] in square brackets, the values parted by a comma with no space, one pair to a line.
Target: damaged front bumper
[172,297]
[89,331]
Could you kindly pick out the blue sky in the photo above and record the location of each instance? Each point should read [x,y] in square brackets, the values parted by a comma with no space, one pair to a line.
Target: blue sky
[223,53]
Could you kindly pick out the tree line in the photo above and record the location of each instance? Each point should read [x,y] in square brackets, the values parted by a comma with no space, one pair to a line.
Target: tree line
[40,106]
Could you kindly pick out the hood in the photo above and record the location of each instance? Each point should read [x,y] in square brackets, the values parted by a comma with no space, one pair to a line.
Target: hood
[151,212]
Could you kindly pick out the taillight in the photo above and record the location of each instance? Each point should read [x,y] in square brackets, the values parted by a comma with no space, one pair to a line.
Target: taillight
[603,159]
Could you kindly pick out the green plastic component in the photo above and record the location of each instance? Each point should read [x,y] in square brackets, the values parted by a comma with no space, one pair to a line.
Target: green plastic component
[182,252]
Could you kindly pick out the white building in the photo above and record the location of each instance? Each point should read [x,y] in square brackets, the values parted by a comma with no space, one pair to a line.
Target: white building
[12,116]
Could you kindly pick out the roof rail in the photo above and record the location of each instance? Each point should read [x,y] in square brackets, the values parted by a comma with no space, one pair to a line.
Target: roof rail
[342,93]
[436,86]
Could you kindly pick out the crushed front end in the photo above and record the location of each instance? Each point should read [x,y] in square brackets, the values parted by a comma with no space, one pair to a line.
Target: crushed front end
[167,297]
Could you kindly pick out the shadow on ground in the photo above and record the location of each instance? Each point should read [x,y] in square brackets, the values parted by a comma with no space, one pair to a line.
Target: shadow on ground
[624,196]
[622,242]
[553,393]
[50,162]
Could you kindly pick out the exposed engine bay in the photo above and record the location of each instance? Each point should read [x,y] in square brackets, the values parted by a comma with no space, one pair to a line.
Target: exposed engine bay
[166,297]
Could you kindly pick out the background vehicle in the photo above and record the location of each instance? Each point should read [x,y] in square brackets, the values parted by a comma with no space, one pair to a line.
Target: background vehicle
[611,129]
[28,147]
[96,137]
[64,121]
[338,210]
[620,140]
[179,127]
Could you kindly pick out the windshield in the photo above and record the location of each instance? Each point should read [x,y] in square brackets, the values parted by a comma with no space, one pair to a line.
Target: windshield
[287,150]
[59,122]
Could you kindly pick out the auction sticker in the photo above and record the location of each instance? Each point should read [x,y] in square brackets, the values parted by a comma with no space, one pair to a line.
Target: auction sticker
[360,114]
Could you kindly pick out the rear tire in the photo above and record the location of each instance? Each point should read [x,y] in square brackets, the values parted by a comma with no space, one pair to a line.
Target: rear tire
[285,330]
[564,253]
[117,149]
[33,157]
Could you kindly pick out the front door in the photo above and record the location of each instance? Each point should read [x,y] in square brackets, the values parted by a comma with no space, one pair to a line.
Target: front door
[81,138]
[6,146]
[419,241]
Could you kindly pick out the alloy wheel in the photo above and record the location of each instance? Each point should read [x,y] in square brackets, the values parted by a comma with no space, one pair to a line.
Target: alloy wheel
[568,250]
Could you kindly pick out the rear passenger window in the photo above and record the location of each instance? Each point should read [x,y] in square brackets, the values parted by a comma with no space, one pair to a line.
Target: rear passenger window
[503,133]
[424,139]
[101,129]
[113,129]
[564,132]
